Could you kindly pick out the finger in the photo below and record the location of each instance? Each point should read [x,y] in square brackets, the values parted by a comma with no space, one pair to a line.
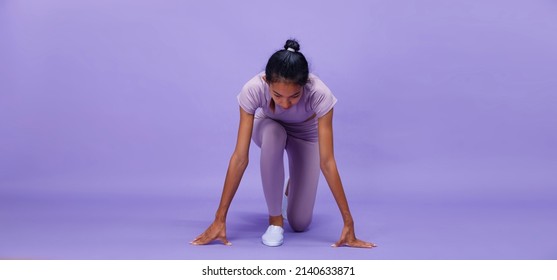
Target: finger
[201,240]
[197,242]
[366,244]
[338,243]
[361,244]
[370,244]
[225,241]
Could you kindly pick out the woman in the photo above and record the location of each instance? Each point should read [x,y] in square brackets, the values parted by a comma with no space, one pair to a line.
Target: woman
[295,114]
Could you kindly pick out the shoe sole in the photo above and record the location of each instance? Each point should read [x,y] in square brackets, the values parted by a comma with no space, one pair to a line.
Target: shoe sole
[272,244]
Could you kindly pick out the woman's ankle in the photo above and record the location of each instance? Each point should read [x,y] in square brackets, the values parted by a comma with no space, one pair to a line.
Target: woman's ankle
[276,221]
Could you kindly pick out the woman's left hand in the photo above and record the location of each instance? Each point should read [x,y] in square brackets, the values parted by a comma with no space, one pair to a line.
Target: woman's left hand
[348,238]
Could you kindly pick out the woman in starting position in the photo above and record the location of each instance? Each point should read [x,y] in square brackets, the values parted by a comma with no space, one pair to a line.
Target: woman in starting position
[286,108]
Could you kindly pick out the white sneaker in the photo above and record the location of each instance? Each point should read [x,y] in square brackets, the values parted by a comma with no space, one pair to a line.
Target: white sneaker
[273,236]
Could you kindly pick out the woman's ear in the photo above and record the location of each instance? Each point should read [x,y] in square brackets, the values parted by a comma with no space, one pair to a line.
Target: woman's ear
[264,77]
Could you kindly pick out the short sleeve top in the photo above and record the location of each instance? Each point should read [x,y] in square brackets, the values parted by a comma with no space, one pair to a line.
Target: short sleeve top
[317,99]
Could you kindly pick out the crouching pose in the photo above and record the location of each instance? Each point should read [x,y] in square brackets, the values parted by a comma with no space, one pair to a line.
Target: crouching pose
[286,108]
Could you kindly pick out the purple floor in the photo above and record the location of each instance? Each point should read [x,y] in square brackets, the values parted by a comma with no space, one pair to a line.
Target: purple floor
[65,226]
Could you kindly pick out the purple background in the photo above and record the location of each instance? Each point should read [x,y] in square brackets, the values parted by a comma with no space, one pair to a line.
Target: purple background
[117,120]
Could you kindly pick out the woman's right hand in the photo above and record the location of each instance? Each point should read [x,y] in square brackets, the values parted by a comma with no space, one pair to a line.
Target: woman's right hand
[216,231]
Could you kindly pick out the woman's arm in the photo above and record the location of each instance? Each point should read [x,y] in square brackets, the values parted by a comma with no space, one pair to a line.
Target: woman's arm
[236,167]
[330,171]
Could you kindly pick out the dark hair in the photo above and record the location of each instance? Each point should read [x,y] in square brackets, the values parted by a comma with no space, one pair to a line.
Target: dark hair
[288,65]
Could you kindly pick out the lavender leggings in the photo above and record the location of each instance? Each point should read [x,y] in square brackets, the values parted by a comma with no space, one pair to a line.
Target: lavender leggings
[303,161]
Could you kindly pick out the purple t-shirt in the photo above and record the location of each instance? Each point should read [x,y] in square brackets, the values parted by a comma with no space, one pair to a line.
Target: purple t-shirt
[299,120]
[316,99]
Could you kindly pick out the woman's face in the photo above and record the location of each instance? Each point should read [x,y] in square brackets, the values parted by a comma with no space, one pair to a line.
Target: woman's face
[285,94]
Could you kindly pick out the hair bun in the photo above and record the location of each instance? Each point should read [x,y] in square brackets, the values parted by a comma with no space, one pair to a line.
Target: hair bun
[292,44]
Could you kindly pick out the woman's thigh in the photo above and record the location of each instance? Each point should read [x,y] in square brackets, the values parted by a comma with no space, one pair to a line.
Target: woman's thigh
[303,159]
[268,130]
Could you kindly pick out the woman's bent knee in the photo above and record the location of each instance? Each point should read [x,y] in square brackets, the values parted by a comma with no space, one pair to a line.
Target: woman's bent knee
[298,225]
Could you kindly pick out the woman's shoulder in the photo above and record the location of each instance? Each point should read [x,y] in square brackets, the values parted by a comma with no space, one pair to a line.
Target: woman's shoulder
[320,97]
[252,95]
